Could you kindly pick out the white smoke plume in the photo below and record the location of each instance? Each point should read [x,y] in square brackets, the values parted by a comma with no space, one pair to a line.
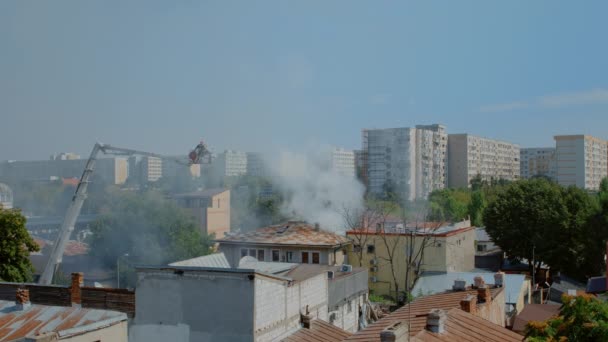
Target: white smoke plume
[314,191]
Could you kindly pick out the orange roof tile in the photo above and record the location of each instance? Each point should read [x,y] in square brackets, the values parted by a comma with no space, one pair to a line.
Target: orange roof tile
[319,331]
[290,233]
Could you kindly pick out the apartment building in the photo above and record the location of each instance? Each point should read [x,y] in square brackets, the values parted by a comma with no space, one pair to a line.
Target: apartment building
[361,165]
[210,208]
[582,160]
[470,156]
[411,161]
[343,162]
[536,162]
[231,163]
[256,165]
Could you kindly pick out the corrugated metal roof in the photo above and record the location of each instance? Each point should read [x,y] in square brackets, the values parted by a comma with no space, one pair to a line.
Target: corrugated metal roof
[65,321]
[290,233]
[431,283]
[217,260]
[319,331]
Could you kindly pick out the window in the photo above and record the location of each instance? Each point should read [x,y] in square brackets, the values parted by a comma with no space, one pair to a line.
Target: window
[289,256]
[275,255]
[260,255]
[482,248]
[243,252]
[371,249]
[315,257]
[305,257]
[252,253]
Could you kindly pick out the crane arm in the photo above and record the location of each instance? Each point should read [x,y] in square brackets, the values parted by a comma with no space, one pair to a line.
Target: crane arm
[196,156]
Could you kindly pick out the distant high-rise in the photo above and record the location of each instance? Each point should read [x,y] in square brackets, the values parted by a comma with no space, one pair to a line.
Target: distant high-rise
[582,160]
[256,165]
[470,156]
[145,169]
[536,162]
[343,162]
[231,163]
[408,161]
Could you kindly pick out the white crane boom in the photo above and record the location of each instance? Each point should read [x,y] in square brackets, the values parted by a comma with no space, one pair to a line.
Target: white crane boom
[197,156]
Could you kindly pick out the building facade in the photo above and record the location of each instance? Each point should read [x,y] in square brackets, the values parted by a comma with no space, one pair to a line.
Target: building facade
[535,162]
[470,156]
[256,165]
[231,163]
[210,208]
[343,162]
[582,160]
[409,161]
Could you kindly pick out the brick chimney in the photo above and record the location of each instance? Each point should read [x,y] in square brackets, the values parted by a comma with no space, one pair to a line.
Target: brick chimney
[305,319]
[396,332]
[499,279]
[469,304]
[435,321]
[484,295]
[22,299]
[479,282]
[459,285]
[75,289]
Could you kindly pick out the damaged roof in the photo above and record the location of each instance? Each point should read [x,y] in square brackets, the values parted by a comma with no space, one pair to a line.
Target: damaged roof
[63,321]
[319,331]
[291,233]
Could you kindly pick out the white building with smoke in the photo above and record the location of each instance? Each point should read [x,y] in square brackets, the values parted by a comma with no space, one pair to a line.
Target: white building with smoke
[411,162]
[343,162]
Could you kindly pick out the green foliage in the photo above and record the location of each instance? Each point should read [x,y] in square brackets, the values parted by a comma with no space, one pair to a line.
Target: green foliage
[449,204]
[15,247]
[147,227]
[581,318]
[476,208]
[557,222]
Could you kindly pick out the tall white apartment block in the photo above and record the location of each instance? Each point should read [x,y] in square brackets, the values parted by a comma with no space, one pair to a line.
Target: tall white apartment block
[231,163]
[582,160]
[470,155]
[538,162]
[410,160]
[343,162]
[256,165]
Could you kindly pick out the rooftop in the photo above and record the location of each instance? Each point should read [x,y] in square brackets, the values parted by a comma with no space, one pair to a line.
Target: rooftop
[64,321]
[438,229]
[432,283]
[416,314]
[202,193]
[534,312]
[319,331]
[291,233]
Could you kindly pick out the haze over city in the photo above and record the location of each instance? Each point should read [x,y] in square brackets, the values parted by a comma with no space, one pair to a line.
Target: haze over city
[160,76]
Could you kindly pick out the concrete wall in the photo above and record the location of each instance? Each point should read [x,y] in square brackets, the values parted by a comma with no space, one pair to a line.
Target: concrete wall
[346,314]
[460,252]
[326,256]
[113,333]
[494,311]
[193,306]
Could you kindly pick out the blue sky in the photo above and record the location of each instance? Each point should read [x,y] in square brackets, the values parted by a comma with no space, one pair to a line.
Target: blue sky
[257,75]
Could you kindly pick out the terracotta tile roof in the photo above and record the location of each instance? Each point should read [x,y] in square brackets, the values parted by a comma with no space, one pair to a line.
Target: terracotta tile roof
[416,313]
[290,233]
[319,331]
[463,326]
[72,247]
[66,321]
[534,312]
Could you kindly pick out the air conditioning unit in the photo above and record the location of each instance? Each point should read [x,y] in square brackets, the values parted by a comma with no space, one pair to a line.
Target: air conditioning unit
[373,262]
[373,279]
[373,269]
[346,268]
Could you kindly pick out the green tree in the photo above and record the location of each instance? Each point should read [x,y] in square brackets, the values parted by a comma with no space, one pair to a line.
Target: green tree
[476,208]
[15,247]
[449,204]
[148,228]
[581,318]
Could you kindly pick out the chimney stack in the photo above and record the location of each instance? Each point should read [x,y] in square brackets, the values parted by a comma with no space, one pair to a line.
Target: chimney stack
[435,321]
[459,285]
[484,295]
[499,279]
[305,319]
[396,332]
[479,282]
[22,299]
[75,289]
[469,304]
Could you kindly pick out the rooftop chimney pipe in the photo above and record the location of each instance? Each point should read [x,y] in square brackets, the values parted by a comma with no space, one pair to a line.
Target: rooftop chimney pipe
[75,289]
[22,299]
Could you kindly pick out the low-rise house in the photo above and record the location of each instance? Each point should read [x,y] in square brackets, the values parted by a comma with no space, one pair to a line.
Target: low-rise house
[464,314]
[210,208]
[292,242]
[22,320]
[563,285]
[487,255]
[432,246]
[347,289]
[516,286]
[534,312]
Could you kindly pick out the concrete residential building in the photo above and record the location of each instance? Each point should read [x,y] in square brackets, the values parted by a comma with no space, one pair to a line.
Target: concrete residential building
[293,241]
[256,165]
[470,156]
[538,162]
[231,163]
[447,248]
[361,165]
[343,162]
[210,208]
[410,160]
[582,160]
